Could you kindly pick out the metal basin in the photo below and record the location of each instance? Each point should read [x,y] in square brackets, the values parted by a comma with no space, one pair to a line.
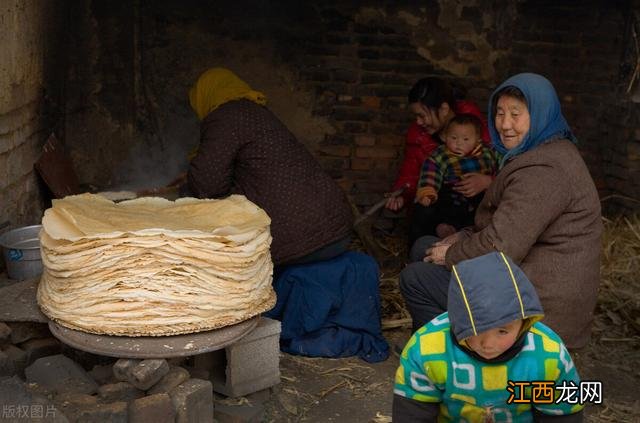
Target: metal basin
[21,252]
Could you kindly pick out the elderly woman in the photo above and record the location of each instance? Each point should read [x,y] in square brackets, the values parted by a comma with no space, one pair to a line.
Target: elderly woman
[542,210]
[245,149]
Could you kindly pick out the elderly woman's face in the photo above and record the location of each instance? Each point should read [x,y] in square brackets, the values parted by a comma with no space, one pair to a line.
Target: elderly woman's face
[512,121]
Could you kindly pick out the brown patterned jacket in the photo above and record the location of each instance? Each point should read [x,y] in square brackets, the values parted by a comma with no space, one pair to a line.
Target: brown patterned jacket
[543,211]
[245,149]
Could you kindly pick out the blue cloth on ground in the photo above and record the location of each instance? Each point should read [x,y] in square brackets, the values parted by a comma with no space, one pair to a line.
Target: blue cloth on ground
[331,308]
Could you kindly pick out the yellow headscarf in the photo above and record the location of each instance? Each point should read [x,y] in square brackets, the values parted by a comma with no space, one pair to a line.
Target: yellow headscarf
[218,86]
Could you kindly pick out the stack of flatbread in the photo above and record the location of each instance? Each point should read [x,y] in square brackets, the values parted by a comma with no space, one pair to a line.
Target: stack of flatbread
[154,267]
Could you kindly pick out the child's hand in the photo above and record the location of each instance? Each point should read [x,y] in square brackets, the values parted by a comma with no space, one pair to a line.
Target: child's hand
[425,201]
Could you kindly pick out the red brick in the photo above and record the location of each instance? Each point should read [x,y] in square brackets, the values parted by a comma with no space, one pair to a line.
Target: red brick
[376,152]
[361,164]
[335,150]
[365,140]
[371,102]
[633,149]
[391,140]
[383,164]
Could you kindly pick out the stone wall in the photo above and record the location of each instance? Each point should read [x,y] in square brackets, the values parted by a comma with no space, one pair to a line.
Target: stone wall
[337,75]
[28,33]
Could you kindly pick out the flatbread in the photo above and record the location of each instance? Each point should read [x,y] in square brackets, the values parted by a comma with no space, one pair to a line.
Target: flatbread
[154,267]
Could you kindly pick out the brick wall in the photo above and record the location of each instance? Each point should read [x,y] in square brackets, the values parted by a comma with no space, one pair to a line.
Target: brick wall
[621,123]
[101,90]
[578,46]
[337,73]
[362,62]
[621,157]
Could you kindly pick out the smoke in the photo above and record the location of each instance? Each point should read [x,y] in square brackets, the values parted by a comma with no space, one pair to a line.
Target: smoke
[157,158]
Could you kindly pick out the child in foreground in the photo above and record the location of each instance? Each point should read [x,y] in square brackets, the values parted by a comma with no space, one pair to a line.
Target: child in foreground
[461,154]
[459,366]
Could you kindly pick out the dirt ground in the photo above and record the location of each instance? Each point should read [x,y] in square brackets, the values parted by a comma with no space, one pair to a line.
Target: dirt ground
[351,390]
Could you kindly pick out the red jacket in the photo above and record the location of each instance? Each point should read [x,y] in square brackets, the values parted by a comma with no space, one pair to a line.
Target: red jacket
[419,146]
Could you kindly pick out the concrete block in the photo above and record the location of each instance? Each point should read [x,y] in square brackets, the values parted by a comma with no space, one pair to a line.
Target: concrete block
[60,374]
[41,347]
[121,391]
[249,365]
[245,413]
[147,373]
[193,401]
[115,412]
[122,367]
[175,377]
[156,408]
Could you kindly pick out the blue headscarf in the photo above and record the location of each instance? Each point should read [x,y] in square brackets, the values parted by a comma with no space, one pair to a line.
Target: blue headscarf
[547,121]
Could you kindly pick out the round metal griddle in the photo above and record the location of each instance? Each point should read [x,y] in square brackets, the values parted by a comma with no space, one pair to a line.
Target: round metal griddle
[153,346]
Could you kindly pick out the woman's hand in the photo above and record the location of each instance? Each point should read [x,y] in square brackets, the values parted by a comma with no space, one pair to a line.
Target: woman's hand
[450,240]
[436,254]
[473,184]
[395,203]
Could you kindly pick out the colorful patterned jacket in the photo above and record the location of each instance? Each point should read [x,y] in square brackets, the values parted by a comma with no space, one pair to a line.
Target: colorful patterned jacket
[444,169]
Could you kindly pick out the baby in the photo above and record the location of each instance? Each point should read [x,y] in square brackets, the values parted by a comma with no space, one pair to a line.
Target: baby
[462,153]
